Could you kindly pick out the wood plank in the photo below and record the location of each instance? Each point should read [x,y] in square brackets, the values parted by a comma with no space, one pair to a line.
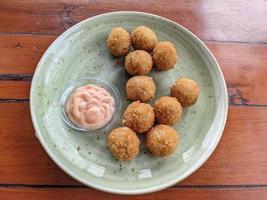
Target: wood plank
[240,158]
[14,89]
[224,21]
[170,194]
[245,70]
[22,158]
[21,53]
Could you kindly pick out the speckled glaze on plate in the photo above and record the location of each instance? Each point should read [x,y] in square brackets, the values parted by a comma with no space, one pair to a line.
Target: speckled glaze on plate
[81,52]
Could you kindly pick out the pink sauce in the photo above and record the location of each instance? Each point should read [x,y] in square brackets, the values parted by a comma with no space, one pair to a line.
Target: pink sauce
[90,106]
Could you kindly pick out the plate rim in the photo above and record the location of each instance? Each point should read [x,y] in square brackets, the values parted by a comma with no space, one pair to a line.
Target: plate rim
[205,156]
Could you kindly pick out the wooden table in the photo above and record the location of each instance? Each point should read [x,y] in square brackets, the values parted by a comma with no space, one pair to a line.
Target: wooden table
[234,30]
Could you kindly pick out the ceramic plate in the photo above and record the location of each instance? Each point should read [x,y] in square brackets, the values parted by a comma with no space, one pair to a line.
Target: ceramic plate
[81,52]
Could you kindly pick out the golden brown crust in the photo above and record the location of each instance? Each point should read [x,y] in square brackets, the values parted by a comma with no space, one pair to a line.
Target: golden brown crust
[162,140]
[167,110]
[164,56]
[139,116]
[123,143]
[186,91]
[119,42]
[138,62]
[140,88]
[144,38]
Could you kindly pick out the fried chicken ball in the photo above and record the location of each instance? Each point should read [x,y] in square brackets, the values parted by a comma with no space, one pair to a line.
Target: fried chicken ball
[186,91]
[119,42]
[139,117]
[140,88]
[162,140]
[138,62]
[164,56]
[167,110]
[144,38]
[123,143]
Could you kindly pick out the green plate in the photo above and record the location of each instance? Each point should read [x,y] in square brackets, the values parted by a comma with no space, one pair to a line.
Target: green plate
[81,52]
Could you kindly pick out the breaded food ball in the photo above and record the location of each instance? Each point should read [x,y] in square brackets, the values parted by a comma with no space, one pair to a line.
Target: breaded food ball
[139,117]
[138,62]
[167,110]
[123,143]
[140,88]
[186,91]
[119,42]
[144,38]
[164,56]
[162,140]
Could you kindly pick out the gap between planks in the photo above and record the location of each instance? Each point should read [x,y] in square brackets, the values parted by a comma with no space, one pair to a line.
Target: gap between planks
[230,104]
[16,77]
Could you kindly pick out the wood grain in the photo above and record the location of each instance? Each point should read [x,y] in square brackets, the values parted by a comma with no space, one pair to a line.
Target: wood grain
[227,20]
[170,194]
[240,158]
[14,89]
[22,158]
[21,53]
[245,70]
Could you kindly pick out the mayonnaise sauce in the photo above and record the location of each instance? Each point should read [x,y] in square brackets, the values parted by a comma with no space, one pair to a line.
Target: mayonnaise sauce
[90,106]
